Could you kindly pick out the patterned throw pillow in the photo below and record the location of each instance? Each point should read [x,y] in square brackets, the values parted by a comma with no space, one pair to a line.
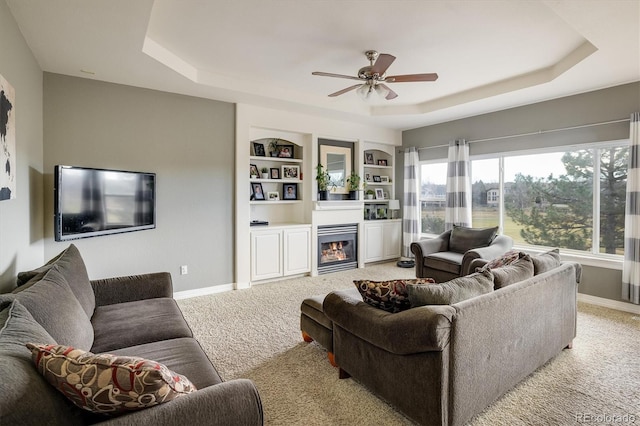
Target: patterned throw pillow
[390,296]
[506,259]
[105,383]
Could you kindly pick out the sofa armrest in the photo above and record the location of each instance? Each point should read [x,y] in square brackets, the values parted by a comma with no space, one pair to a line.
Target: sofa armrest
[235,402]
[427,246]
[109,291]
[500,245]
[421,329]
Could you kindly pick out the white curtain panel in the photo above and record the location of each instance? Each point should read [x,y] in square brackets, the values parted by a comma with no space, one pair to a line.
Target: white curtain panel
[631,266]
[458,210]
[410,206]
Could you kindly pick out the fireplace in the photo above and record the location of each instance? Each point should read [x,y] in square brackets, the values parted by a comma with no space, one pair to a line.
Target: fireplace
[337,248]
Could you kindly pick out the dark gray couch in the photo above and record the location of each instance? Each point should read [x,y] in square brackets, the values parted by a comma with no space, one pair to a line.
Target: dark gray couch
[132,316]
[443,364]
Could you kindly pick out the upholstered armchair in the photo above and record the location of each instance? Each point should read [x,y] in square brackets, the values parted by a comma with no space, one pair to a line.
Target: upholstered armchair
[450,254]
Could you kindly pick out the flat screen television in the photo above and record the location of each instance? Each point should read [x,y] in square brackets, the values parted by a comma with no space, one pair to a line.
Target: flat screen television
[91,202]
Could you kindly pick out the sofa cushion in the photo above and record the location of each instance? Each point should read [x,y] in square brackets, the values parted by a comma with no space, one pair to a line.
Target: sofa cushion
[544,262]
[451,292]
[53,305]
[517,271]
[448,261]
[72,267]
[21,387]
[135,323]
[184,356]
[106,383]
[463,239]
[390,296]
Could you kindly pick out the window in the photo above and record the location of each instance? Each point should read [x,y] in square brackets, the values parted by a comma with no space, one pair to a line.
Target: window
[567,199]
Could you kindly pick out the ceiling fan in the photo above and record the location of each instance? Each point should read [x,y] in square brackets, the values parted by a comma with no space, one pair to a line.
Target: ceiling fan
[374,76]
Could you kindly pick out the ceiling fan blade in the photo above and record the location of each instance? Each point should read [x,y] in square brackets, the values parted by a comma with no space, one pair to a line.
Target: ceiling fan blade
[411,77]
[382,63]
[328,74]
[391,94]
[348,89]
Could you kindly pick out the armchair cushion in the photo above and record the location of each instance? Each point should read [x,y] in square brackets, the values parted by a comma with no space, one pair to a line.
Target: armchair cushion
[451,292]
[464,239]
[448,261]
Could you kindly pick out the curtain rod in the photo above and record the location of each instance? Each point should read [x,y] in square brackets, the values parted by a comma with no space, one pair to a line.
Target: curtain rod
[539,132]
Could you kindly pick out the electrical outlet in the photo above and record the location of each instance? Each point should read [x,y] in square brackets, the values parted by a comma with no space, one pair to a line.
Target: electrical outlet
[184,270]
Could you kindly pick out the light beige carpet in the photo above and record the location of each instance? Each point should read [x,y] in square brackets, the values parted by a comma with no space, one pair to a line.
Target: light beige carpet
[255,334]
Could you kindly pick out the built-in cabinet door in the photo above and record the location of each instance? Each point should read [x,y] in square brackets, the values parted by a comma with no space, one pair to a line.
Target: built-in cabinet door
[297,256]
[374,241]
[266,254]
[392,239]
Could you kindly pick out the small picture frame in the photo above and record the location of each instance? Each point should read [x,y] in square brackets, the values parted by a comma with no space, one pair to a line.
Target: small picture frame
[290,191]
[285,151]
[368,158]
[256,191]
[253,170]
[382,162]
[384,179]
[379,194]
[367,177]
[258,149]
[273,196]
[275,173]
[291,172]
[376,178]
[385,194]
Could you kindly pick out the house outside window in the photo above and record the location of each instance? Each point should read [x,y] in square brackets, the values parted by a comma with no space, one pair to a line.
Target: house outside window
[567,199]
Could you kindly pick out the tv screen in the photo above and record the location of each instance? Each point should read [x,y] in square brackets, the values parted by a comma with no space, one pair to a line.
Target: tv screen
[90,202]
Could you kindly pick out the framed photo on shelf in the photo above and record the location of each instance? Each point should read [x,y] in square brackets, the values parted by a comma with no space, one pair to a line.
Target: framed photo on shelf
[382,162]
[253,170]
[290,191]
[385,194]
[368,158]
[379,194]
[290,172]
[256,191]
[258,149]
[384,179]
[367,177]
[273,195]
[285,151]
[275,173]
[376,178]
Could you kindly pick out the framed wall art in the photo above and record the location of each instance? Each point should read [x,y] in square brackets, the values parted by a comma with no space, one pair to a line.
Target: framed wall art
[7,140]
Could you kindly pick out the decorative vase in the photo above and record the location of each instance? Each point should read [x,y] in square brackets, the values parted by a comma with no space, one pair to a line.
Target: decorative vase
[369,196]
[353,195]
[323,195]
[265,175]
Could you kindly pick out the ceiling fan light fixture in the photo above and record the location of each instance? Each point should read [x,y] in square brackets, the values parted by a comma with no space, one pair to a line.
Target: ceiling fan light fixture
[381,91]
[365,91]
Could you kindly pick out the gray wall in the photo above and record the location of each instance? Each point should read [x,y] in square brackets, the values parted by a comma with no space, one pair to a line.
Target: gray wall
[188,142]
[21,245]
[594,107]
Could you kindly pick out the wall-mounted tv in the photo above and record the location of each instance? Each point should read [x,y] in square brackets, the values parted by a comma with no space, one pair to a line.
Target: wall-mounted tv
[91,202]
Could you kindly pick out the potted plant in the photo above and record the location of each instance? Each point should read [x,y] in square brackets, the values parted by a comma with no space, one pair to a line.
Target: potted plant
[273,147]
[264,172]
[370,193]
[353,185]
[324,180]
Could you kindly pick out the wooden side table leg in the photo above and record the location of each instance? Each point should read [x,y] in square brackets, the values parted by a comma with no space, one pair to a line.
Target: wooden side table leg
[306,337]
[343,374]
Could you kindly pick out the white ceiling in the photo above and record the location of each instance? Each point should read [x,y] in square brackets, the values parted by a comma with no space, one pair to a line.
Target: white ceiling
[489,54]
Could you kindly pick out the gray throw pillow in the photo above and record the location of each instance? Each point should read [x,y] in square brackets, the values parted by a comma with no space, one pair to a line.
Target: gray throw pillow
[53,305]
[26,397]
[546,261]
[450,292]
[463,239]
[515,272]
[72,267]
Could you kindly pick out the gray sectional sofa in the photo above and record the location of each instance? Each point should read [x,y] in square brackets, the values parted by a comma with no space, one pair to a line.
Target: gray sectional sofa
[127,316]
[442,364]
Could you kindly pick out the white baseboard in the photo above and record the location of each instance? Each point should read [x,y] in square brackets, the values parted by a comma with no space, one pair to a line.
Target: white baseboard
[608,303]
[187,294]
